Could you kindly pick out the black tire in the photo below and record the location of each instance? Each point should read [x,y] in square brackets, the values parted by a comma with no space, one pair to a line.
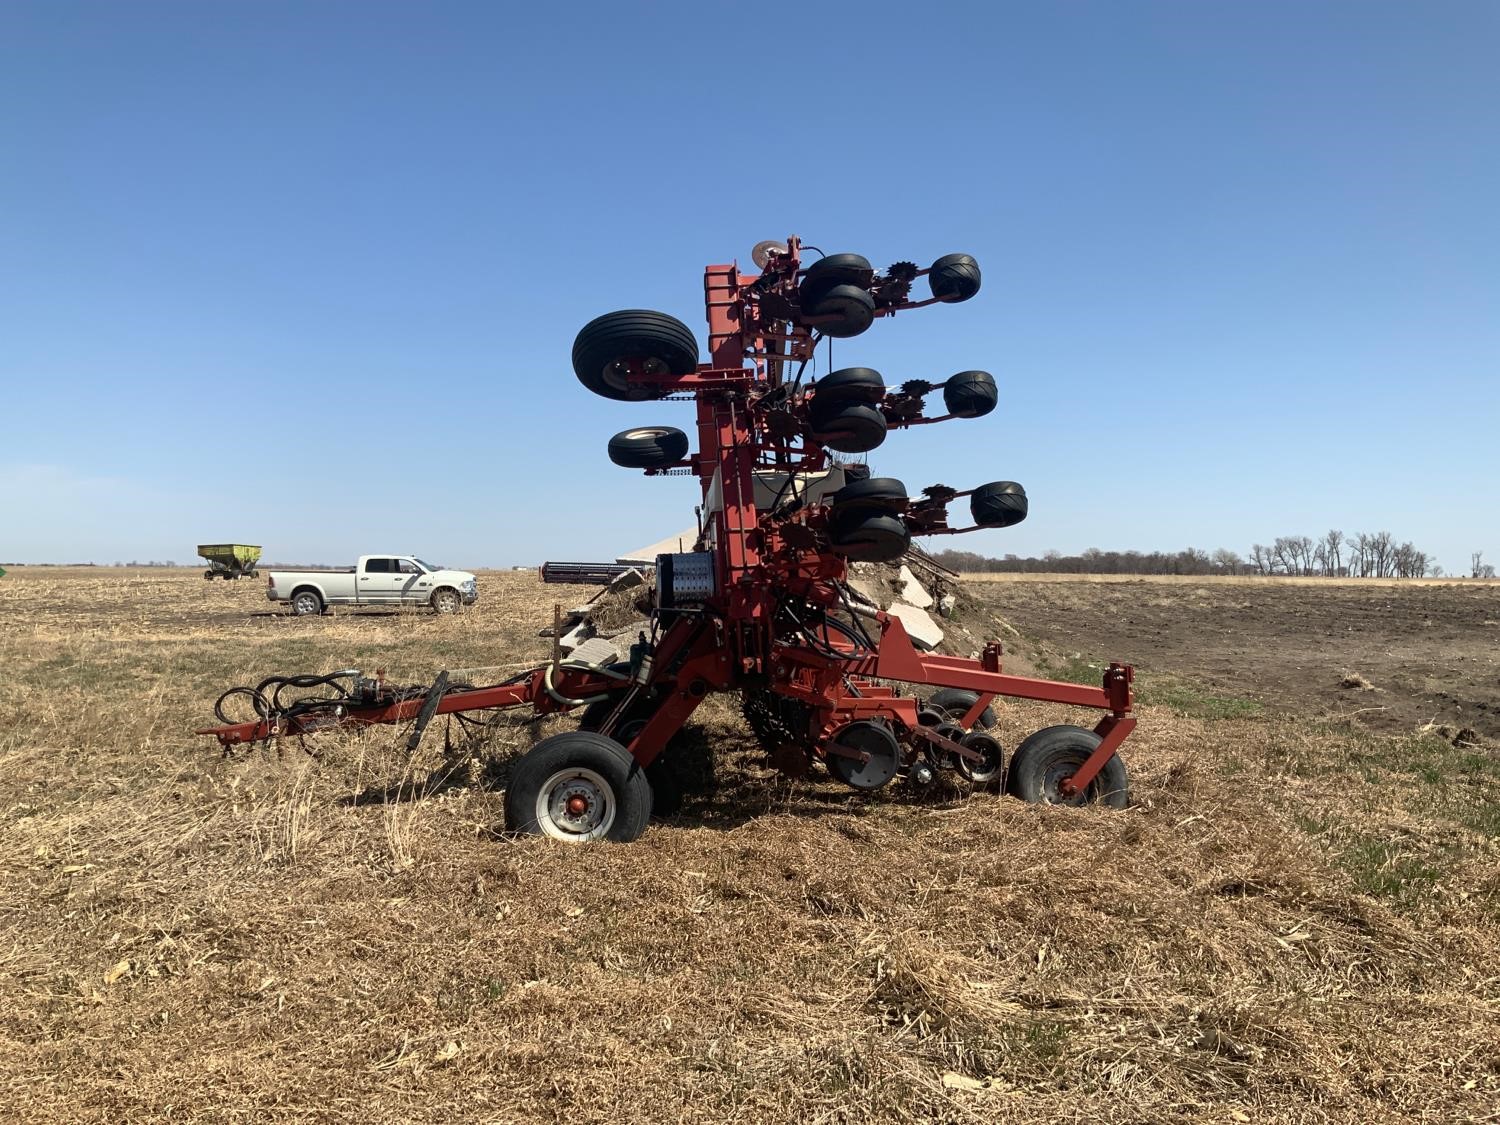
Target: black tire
[849,384]
[209,575]
[835,269]
[655,338]
[1044,759]
[954,277]
[600,772]
[970,394]
[877,492]
[849,428]
[865,537]
[853,307]
[306,603]
[648,447]
[1000,503]
[955,703]
[990,771]
[446,600]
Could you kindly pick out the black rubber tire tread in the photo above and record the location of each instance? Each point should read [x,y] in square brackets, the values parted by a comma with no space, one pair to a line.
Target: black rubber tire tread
[864,537]
[849,384]
[879,491]
[604,756]
[970,394]
[1001,503]
[954,278]
[957,701]
[853,304]
[1061,745]
[835,269]
[853,427]
[648,447]
[632,334]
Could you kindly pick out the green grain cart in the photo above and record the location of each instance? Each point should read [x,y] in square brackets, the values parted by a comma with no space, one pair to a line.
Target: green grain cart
[229,560]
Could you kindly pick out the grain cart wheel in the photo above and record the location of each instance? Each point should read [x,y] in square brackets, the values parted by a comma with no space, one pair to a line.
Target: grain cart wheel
[955,704]
[578,786]
[853,427]
[970,394]
[849,384]
[649,447]
[835,269]
[306,603]
[954,277]
[868,537]
[209,575]
[853,307]
[662,344]
[446,600]
[1000,503]
[1046,758]
[991,766]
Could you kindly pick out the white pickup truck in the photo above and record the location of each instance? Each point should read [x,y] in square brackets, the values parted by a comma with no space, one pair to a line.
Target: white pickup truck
[389,580]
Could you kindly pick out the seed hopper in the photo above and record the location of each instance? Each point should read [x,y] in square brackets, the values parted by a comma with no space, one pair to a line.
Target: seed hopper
[761,605]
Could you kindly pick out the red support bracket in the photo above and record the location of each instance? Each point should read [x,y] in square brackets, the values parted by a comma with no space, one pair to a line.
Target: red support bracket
[1113,730]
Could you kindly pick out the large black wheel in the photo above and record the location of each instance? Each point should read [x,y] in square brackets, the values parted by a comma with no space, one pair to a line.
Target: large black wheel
[954,277]
[849,309]
[577,787]
[955,703]
[1000,503]
[875,492]
[853,427]
[446,600]
[970,394]
[662,344]
[835,269]
[648,447]
[1044,760]
[306,603]
[862,536]
[849,384]
[663,773]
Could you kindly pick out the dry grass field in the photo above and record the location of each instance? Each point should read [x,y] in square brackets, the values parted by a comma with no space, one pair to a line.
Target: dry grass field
[1298,919]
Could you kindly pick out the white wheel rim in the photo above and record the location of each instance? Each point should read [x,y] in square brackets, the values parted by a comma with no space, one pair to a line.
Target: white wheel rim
[636,435]
[575,805]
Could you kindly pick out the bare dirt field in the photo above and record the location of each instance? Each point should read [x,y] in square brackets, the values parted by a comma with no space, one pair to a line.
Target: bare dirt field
[1298,919]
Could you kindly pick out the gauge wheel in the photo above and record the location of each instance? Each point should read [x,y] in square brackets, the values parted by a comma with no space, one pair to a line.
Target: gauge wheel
[648,447]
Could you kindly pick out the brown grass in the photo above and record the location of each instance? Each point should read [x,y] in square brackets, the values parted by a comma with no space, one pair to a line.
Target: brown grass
[1228,579]
[1295,922]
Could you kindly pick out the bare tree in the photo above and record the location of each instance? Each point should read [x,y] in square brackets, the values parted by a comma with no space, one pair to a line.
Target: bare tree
[1333,562]
[1476,564]
[1226,561]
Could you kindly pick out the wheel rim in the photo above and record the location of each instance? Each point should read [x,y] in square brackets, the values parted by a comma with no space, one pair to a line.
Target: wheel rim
[1059,770]
[447,603]
[575,805]
[638,435]
[616,374]
[304,604]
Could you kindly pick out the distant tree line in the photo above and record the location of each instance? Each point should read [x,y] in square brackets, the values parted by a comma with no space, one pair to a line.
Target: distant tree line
[1335,555]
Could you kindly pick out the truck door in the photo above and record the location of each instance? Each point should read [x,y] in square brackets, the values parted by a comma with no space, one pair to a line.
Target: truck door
[379,581]
[416,586]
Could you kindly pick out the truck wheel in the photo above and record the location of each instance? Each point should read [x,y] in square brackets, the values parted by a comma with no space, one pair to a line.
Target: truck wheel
[306,603]
[446,600]
[576,787]
[660,342]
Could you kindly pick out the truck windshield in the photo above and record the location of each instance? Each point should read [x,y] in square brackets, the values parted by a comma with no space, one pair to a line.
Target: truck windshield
[425,565]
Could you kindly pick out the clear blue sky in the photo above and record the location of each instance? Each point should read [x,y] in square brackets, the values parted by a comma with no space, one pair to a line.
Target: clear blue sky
[308,274]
